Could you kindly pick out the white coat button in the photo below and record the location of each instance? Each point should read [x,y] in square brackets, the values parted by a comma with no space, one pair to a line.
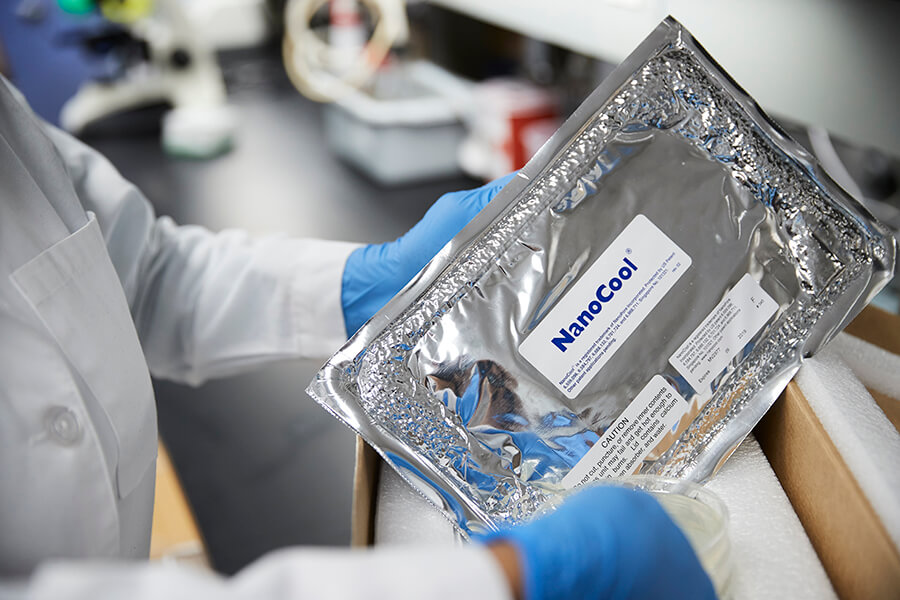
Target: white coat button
[63,426]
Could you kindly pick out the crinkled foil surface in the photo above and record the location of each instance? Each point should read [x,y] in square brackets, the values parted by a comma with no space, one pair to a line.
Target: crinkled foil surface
[436,381]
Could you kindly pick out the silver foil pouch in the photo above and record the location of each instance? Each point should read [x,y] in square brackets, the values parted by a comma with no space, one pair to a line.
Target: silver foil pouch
[634,301]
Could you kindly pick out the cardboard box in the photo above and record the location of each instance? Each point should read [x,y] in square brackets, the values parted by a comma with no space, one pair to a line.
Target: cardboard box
[365,491]
[174,534]
[851,541]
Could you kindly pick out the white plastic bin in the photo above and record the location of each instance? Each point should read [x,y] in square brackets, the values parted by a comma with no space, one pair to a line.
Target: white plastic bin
[405,128]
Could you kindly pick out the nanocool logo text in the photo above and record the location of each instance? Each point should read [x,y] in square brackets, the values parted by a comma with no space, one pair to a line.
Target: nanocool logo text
[602,295]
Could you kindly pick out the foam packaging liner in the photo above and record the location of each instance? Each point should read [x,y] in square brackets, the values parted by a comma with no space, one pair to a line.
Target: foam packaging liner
[773,557]
[404,517]
[842,481]
[866,440]
[835,447]
[877,368]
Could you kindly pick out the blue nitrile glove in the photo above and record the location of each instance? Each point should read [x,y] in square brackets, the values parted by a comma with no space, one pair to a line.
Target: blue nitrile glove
[375,273]
[610,543]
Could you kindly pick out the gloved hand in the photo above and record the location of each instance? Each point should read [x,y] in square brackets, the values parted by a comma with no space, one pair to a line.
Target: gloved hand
[375,273]
[606,542]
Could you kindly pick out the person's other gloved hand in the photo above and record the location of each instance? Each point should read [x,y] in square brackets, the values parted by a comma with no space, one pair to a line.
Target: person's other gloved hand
[605,542]
[375,273]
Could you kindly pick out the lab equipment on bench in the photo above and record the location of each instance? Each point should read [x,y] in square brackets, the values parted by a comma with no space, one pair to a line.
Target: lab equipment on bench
[163,60]
[633,301]
[507,122]
[325,68]
[404,126]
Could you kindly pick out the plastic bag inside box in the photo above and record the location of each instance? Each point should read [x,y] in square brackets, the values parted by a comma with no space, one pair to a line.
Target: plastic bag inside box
[633,301]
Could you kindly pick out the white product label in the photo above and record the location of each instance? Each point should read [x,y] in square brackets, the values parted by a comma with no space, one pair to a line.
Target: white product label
[592,321]
[655,412]
[723,333]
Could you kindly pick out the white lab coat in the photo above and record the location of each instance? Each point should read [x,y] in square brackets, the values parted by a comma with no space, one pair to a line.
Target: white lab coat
[93,290]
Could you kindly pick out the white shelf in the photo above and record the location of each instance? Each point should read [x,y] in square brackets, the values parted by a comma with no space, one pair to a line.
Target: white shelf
[825,62]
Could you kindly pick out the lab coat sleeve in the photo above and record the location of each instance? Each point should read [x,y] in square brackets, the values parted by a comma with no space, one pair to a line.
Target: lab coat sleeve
[207,304]
[407,573]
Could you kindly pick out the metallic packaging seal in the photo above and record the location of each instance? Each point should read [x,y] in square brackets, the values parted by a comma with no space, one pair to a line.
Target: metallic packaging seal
[634,301]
